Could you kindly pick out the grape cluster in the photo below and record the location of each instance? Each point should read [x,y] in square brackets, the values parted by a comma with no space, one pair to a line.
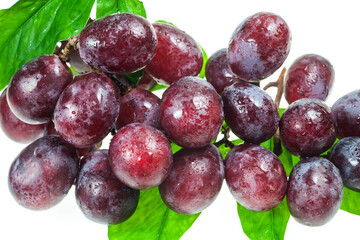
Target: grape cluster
[66,118]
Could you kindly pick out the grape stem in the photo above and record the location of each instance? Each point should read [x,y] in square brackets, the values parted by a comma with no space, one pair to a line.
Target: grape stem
[225,140]
[280,90]
[71,43]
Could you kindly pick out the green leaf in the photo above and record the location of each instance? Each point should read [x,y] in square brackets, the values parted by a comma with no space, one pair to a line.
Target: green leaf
[205,59]
[107,7]
[224,150]
[152,220]
[351,201]
[135,76]
[158,87]
[31,28]
[269,225]
[288,160]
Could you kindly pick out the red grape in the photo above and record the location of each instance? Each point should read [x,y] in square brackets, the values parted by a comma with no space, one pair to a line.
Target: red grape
[140,156]
[259,46]
[191,112]
[42,174]
[77,63]
[255,176]
[35,88]
[146,82]
[315,191]
[194,181]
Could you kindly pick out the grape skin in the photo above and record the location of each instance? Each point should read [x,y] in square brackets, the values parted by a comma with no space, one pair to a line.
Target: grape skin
[250,112]
[42,174]
[87,109]
[255,176]
[218,72]
[346,156]
[310,76]
[191,112]
[119,43]
[146,82]
[315,191]
[140,106]
[347,111]
[16,129]
[140,156]
[177,55]
[259,46]
[35,88]
[100,195]
[307,127]
[194,181]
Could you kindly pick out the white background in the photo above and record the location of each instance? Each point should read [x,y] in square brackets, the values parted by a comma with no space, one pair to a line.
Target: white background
[328,28]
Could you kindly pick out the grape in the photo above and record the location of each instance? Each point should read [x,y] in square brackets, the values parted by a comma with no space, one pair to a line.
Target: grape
[87,110]
[255,176]
[16,129]
[100,195]
[194,181]
[218,72]
[347,111]
[315,191]
[307,127]
[76,62]
[191,112]
[259,46]
[35,88]
[250,112]
[346,156]
[140,156]
[119,43]
[42,174]
[177,55]
[140,106]
[310,76]
[146,82]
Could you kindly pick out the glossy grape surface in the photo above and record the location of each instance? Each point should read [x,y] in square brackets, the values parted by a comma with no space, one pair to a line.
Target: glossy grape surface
[310,76]
[346,157]
[140,106]
[255,176]
[35,88]
[191,112]
[307,127]
[259,46]
[87,109]
[250,112]
[119,43]
[100,195]
[194,181]
[218,72]
[16,129]
[146,82]
[177,55]
[315,191]
[347,111]
[140,156]
[42,174]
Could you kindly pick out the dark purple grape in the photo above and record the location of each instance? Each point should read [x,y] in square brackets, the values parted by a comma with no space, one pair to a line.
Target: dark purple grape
[146,82]
[194,181]
[35,88]
[16,129]
[218,72]
[140,156]
[119,43]
[259,46]
[42,174]
[347,111]
[315,191]
[87,109]
[310,76]
[177,55]
[250,112]
[191,112]
[346,157]
[140,106]
[307,127]
[255,176]
[100,195]
[76,62]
